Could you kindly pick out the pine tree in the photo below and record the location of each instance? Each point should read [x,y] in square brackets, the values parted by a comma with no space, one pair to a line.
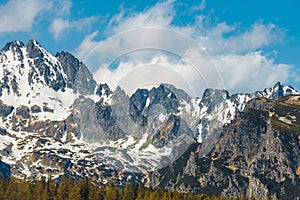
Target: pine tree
[140,193]
[11,192]
[62,189]
[176,196]
[49,192]
[85,189]
[75,191]
[100,193]
[128,192]
[39,188]
[166,196]
[2,191]
[154,195]
[111,192]
[26,190]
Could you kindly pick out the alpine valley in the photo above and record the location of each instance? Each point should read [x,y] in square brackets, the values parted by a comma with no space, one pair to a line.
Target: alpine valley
[55,119]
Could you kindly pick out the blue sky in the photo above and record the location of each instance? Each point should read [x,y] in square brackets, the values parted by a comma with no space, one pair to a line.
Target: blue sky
[248,45]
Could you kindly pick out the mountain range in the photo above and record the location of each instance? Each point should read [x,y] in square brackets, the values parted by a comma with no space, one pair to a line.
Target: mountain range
[55,119]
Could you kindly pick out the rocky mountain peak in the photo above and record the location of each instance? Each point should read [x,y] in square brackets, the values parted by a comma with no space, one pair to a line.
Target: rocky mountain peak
[139,100]
[78,75]
[46,66]
[39,66]
[278,90]
[119,96]
[34,49]
[70,65]
[213,97]
[164,97]
[12,45]
[12,53]
[217,95]
[103,90]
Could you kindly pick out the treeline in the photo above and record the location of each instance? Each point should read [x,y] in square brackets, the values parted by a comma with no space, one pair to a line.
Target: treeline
[19,189]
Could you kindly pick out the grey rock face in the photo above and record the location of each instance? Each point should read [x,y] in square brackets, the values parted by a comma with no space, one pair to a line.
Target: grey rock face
[165,97]
[173,128]
[79,77]
[211,98]
[191,166]
[5,110]
[137,104]
[35,109]
[108,122]
[103,90]
[214,103]
[23,112]
[85,115]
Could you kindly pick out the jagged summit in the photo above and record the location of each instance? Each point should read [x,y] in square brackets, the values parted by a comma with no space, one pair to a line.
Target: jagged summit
[79,77]
[42,68]
[278,90]
[12,44]
[33,43]
[35,50]
[16,45]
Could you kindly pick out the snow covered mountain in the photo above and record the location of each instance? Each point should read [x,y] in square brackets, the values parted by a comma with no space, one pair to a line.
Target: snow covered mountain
[55,119]
[217,108]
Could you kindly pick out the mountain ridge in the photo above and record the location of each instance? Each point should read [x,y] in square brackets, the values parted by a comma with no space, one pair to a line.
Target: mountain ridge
[55,119]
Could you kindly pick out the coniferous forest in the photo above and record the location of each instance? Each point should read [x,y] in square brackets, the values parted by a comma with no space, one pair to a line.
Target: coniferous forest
[20,189]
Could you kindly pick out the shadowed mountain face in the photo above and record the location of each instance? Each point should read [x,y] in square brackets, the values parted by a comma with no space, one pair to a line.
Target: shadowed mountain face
[55,119]
[257,154]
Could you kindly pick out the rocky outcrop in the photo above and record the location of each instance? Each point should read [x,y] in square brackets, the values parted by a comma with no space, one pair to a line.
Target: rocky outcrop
[4,170]
[103,90]
[5,110]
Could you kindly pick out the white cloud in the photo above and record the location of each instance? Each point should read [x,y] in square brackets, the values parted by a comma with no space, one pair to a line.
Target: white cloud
[23,15]
[160,15]
[59,25]
[19,15]
[62,8]
[86,46]
[201,7]
[250,72]
[258,36]
[232,58]
[254,38]
[161,69]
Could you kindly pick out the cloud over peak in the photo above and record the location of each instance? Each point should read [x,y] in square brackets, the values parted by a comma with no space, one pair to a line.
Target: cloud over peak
[191,41]
[233,53]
